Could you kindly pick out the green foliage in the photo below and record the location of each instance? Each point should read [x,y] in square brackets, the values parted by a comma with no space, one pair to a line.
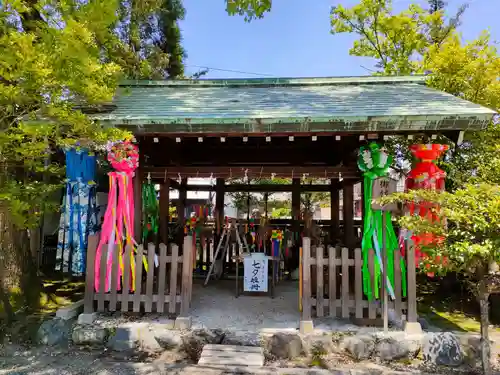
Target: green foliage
[282,212]
[43,74]
[251,9]
[396,41]
[468,71]
[145,40]
[472,230]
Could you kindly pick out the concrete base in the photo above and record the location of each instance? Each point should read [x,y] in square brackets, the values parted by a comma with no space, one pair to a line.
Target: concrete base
[87,318]
[71,311]
[183,322]
[306,326]
[412,328]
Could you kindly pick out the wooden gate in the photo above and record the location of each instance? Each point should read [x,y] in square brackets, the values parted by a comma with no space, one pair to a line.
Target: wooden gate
[165,288]
[332,284]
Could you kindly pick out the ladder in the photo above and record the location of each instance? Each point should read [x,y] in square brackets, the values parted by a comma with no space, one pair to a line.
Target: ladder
[229,228]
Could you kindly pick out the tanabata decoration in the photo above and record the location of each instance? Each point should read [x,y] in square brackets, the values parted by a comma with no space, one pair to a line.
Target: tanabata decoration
[253,233]
[277,241]
[374,162]
[426,175]
[194,227]
[78,212]
[150,211]
[118,226]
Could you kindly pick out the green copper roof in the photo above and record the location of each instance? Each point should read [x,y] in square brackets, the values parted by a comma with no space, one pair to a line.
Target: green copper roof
[291,105]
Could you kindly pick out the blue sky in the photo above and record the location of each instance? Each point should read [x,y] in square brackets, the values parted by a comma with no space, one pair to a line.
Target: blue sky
[294,39]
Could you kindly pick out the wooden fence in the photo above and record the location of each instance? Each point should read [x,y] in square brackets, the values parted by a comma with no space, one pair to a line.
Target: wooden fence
[332,285]
[165,288]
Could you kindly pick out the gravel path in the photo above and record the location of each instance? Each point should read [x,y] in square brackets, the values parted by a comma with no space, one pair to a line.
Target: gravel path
[216,306]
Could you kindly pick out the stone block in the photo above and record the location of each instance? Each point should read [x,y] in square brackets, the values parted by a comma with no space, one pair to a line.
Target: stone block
[242,338]
[389,349]
[132,337]
[306,327]
[71,311]
[285,345]
[164,324]
[183,323]
[87,318]
[168,339]
[54,332]
[89,335]
[194,341]
[359,346]
[442,349]
[412,328]
[315,345]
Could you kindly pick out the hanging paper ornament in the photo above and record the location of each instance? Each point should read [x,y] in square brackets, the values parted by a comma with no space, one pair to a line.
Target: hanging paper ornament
[79,212]
[276,238]
[150,211]
[426,175]
[374,162]
[118,226]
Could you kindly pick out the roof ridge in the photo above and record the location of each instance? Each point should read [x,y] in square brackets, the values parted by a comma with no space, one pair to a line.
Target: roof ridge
[273,82]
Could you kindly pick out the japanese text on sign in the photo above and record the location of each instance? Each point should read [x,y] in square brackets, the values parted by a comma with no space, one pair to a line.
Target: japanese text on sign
[382,187]
[255,273]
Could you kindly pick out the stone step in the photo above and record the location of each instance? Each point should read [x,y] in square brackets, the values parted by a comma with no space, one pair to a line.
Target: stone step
[232,355]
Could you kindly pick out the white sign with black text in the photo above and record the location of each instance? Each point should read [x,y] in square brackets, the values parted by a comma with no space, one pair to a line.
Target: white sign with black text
[255,273]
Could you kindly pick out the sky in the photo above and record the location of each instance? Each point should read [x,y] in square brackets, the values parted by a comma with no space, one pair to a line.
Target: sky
[293,40]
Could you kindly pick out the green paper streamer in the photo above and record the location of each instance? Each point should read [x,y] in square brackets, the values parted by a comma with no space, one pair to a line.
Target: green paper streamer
[374,162]
[150,211]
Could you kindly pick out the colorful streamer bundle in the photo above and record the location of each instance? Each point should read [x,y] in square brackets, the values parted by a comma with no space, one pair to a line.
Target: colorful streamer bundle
[194,227]
[277,241]
[374,162]
[426,175]
[79,212]
[118,227]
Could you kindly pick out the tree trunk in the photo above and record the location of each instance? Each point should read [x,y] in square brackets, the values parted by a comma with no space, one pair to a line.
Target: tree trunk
[485,341]
[7,307]
[30,282]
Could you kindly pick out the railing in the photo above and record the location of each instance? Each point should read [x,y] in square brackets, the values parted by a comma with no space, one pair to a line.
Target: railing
[332,285]
[165,288]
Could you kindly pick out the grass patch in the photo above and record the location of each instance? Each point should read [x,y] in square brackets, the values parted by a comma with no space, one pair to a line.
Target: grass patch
[446,304]
[55,295]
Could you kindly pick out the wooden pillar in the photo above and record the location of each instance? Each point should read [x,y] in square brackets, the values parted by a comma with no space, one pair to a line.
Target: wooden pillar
[296,207]
[334,212]
[411,275]
[219,203]
[348,215]
[138,180]
[164,211]
[181,205]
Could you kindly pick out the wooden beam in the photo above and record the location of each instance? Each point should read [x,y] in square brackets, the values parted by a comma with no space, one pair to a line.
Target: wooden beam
[296,207]
[219,203]
[181,204]
[334,212]
[253,171]
[348,215]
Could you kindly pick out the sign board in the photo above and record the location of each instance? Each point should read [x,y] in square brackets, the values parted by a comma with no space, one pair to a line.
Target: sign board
[382,187]
[255,273]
